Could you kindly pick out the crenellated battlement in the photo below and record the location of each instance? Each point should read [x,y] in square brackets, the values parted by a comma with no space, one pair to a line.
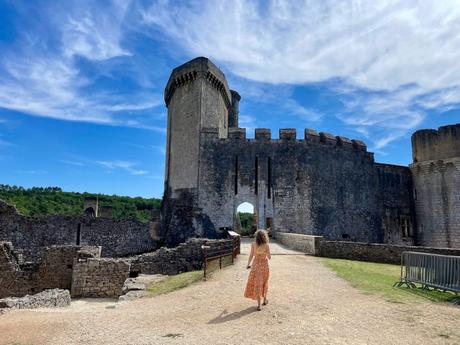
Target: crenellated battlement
[288,135]
[200,67]
[432,144]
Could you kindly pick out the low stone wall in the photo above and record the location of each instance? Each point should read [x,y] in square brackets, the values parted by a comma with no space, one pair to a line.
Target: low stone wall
[16,277]
[46,299]
[53,269]
[375,252]
[187,256]
[307,244]
[99,277]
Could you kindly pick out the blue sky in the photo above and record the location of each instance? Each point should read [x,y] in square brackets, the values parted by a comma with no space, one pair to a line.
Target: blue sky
[81,82]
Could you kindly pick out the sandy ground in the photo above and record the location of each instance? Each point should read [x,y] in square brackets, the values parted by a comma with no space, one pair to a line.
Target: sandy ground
[308,304]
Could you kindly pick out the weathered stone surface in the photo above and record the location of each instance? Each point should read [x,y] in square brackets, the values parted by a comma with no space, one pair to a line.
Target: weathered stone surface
[375,252]
[136,287]
[187,256]
[96,277]
[436,175]
[46,299]
[322,185]
[52,270]
[117,237]
[307,244]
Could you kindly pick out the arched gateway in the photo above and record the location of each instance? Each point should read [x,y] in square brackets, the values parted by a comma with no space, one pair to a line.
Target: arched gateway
[319,184]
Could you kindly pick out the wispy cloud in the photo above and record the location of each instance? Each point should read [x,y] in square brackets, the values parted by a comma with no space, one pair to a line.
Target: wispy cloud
[123,165]
[154,148]
[95,33]
[41,75]
[32,172]
[75,163]
[372,49]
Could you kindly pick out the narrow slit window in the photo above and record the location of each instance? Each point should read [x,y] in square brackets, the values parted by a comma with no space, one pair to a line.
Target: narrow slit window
[269,178]
[256,168]
[78,235]
[236,175]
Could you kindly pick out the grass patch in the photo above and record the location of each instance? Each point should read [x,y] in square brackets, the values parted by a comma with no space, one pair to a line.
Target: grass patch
[379,279]
[175,282]
[182,280]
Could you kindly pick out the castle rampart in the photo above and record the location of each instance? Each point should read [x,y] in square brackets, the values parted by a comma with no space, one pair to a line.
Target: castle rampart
[436,176]
[431,144]
[320,184]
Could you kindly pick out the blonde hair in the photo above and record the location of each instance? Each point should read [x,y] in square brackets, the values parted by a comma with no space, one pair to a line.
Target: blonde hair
[261,237]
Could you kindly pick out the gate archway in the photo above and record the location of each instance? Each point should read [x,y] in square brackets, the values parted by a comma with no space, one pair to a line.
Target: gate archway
[245,219]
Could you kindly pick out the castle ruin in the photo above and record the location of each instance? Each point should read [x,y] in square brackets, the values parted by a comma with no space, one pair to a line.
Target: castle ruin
[319,184]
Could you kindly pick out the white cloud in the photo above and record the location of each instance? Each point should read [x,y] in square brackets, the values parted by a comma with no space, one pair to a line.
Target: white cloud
[44,79]
[32,172]
[80,164]
[398,58]
[123,165]
[95,34]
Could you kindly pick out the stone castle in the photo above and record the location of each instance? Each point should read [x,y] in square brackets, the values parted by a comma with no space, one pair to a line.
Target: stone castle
[322,185]
[318,185]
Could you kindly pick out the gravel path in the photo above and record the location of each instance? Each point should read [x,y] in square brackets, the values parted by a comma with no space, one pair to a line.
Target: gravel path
[308,304]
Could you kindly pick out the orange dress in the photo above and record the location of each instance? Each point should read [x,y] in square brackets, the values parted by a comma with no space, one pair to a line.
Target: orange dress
[257,285]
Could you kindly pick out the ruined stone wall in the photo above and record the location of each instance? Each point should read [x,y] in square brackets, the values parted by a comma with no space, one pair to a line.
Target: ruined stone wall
[436,174]
[117,237]
[52,270]
[16,277]
[321,185]
[187,256]
[95,277]
[396,204]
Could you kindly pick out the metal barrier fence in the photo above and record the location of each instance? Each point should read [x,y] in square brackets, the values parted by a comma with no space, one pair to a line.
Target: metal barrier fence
[430,270]
[218,250]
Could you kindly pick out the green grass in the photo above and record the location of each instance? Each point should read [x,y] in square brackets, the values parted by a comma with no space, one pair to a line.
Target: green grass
[175,282]
[379,279]
[182,280]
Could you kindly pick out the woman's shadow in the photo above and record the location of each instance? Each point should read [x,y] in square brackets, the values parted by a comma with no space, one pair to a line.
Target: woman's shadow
[224,316]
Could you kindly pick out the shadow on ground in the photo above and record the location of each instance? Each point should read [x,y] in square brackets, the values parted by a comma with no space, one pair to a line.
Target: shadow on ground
[224,316]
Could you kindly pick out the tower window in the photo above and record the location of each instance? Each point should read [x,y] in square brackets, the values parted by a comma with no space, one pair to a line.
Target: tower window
[269,178]
[405,226]
[256,169]
[236,175]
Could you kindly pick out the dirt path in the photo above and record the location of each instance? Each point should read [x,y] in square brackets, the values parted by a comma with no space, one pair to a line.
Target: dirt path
[308,304]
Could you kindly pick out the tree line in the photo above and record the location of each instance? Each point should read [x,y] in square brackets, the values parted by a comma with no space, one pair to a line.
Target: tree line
[50,201]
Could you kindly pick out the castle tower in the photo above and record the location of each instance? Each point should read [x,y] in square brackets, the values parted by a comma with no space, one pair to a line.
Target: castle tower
[198,99]
[436,176]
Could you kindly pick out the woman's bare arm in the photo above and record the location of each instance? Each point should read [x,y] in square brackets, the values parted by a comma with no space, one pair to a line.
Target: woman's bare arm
[269,255]
[251,255]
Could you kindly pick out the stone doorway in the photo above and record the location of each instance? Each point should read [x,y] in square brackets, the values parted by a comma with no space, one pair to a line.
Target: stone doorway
[245,219]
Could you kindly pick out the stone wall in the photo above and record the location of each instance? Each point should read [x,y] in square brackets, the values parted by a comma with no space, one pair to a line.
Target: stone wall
[319,185]
[316,185]
[117,237]
[46,299]
[94,277]
[187,256]
[307,244]
[17,278]
[436,174]
[52,270]
[375,252]
[396,204]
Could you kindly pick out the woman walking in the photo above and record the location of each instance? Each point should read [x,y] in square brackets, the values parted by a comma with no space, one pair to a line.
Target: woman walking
[257,285]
